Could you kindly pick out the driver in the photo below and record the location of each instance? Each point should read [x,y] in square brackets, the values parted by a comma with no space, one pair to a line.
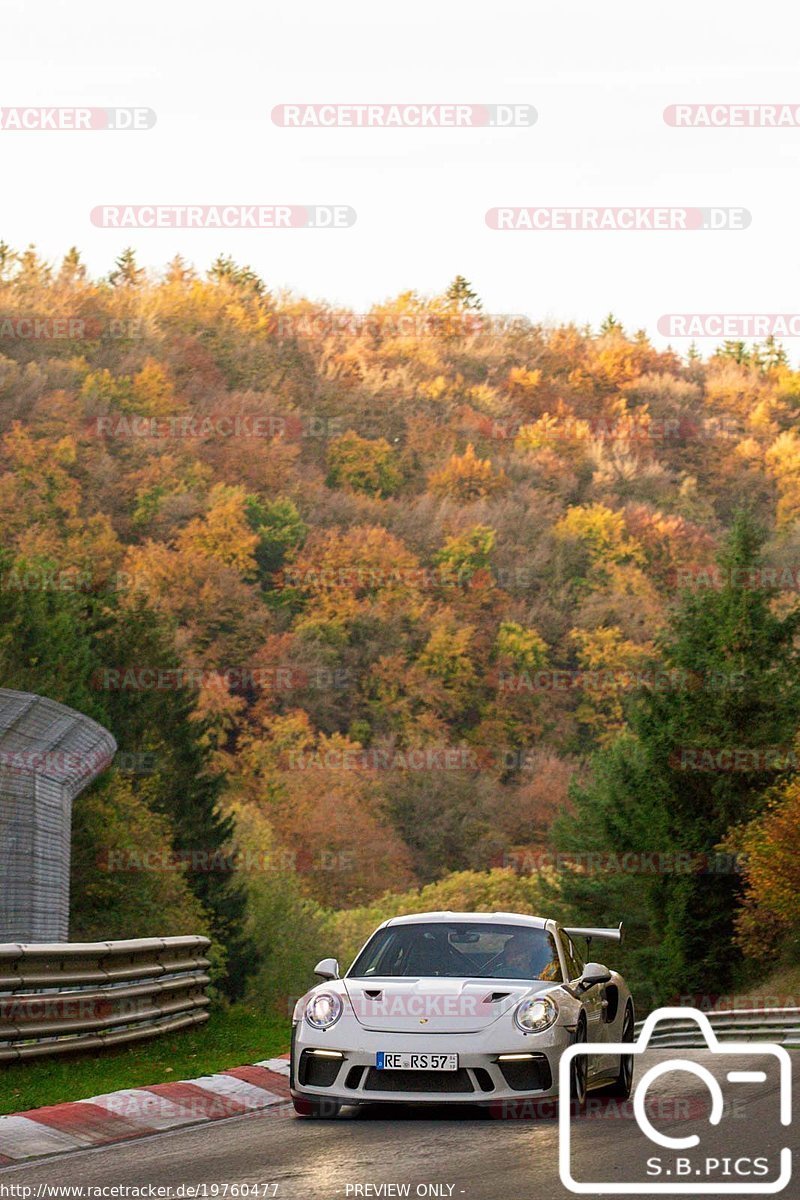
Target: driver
[521,960]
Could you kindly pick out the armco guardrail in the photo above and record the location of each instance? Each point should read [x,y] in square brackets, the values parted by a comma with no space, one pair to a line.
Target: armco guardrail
[780,1025]
[82,996]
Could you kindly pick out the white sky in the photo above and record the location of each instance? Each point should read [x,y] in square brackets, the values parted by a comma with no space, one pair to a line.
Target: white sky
[599,75]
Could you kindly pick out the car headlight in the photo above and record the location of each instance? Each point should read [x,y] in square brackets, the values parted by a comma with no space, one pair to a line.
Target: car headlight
[324,1010]
[534,1016]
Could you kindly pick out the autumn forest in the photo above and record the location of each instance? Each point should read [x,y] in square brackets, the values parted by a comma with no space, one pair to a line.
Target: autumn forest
[427,607]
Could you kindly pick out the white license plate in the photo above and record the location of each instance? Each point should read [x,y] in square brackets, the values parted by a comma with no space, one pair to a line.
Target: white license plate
[386,1061]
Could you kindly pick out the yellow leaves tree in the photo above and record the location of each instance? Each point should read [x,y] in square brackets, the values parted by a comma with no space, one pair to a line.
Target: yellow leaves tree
[466,477]
[201,583]
[363,465]
[219,619]
[770,855]
[518,654]
[524,649]
[615,587]
[153,392]
[602,531]
[560,433]
[223,533]
[732,387]
[218,711]
[446,659]
[436,388]
[783,463]
[165,488]
[522,384]
[465,554]
[614,359]
[404,700]
[100,389]
[37,484]
[360,571]
[612,667]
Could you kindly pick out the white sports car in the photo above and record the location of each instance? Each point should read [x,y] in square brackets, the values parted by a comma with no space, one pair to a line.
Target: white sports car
[460,1007]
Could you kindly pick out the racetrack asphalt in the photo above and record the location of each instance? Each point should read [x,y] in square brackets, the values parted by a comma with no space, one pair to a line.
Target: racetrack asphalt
[449,1152]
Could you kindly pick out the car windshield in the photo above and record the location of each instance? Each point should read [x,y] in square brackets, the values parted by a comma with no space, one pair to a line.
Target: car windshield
[459,950]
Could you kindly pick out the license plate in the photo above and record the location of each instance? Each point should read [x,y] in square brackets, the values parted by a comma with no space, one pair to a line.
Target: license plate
[386,1061]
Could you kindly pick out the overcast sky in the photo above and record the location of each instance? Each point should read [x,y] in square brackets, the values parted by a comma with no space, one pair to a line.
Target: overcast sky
[599,76]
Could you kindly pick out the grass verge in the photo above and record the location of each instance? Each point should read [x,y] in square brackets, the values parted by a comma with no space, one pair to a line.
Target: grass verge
[231,1038]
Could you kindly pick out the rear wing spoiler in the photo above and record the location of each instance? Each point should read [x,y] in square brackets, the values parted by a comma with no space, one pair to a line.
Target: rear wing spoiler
[601,935]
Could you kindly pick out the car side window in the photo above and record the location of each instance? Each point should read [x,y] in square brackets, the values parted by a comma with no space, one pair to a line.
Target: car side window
[574,960]
[577,954]
[551,970]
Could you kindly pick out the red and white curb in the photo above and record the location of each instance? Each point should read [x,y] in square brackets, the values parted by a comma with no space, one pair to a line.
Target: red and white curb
[139,1112]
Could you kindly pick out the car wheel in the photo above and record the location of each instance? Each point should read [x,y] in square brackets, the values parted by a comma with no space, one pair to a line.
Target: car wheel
[623,1084]
[316,1108]
[578,1072]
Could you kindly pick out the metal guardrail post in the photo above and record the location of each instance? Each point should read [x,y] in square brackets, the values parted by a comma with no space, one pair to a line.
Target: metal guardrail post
[781,1025]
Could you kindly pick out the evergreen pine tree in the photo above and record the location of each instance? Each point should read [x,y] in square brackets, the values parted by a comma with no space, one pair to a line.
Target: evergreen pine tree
[126,273]
[460,295]
[697,760]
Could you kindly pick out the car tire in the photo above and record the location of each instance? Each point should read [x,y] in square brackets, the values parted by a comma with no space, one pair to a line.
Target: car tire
[622,1086]
[320,1109]
[578,1071]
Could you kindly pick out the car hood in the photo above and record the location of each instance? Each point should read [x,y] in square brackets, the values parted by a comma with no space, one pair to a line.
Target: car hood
[435,1005]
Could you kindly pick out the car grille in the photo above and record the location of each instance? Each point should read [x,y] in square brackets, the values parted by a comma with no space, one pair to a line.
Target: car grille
[417,1081]
[528,1074]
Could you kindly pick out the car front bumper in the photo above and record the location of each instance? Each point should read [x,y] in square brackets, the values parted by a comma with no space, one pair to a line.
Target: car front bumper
[483,1076]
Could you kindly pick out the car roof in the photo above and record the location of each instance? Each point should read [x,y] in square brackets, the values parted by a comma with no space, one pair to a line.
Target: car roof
[495,918]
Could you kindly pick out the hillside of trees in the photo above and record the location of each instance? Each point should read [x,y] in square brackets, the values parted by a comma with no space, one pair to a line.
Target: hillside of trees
[425,598]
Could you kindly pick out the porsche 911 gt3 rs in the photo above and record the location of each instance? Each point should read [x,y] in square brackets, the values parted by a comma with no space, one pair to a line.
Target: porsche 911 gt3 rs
[471,1008]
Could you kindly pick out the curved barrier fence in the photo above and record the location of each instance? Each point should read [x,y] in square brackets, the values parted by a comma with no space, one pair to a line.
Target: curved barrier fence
[82,996]
[779,1025]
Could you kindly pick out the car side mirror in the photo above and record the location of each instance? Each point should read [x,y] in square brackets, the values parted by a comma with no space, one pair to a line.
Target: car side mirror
[593,974]
[327,968]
